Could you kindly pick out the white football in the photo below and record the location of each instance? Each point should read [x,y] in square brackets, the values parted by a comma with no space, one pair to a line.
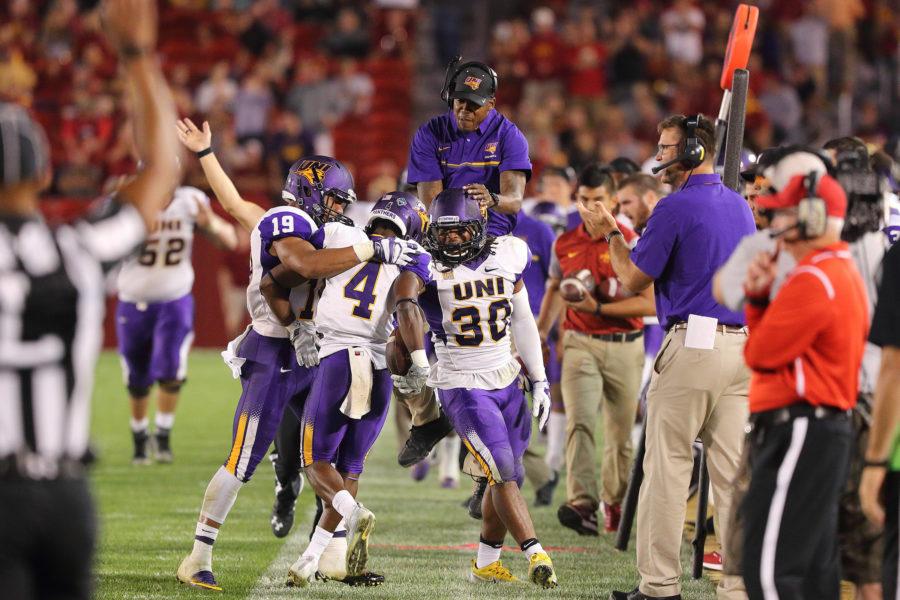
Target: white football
[576,286]
[611,290]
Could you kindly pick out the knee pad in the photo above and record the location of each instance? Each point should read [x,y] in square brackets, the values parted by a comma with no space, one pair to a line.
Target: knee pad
[172,386]
[139,391]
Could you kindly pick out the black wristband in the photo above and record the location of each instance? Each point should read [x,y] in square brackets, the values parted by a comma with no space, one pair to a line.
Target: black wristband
[412,300]
[757,301]
[204,152]
[495,198]
[612,234]
[129,52]
[597,311]
[878,464]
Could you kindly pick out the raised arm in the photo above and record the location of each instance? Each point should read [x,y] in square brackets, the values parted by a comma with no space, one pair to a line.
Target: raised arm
[196,140]
[219,231]
[131,26]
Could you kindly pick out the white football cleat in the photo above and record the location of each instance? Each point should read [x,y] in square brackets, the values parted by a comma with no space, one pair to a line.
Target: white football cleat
[333,563]
[194,574]
[359,527]
[303,572]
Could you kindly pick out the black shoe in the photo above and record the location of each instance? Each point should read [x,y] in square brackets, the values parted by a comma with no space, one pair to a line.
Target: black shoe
[283,509]
[544,494]
[422,438]
[366,579]
[162,448]
[636,594]
[582,520]
[140,439]
[474,503]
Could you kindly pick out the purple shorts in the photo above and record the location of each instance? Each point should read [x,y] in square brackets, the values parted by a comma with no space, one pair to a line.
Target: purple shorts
[494,425]
[154,339]
[326,433]
[270,378]
[554,366]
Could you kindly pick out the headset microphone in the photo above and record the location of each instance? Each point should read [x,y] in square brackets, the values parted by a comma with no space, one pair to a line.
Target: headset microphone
[781,232]
[667,164]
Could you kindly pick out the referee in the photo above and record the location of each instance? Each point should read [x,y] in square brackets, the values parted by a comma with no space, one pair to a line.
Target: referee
[474,147]
[805,348]
[51,317]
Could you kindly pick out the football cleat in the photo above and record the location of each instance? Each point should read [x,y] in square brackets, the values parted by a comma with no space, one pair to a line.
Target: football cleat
[544,494]
[333,562]
[422,438]
[475,500]
[303,571]
[140,439]
[162,448]
[492,573]
[367,579]
[192,574]
[540,571]
[359,527]
[283,509]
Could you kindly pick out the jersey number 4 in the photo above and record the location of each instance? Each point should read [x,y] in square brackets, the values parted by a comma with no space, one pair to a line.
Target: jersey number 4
[361,288]
[469,319]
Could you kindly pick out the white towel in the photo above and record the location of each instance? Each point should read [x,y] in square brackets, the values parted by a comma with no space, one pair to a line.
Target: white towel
[229,354]
[358,402]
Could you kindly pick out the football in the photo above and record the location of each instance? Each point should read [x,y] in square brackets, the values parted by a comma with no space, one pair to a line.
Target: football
[575,286]
[398,359]
[611,290]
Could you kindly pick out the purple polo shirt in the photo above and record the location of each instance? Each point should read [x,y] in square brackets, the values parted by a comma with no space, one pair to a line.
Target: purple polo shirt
[440,151]
[689,235]
[539,237]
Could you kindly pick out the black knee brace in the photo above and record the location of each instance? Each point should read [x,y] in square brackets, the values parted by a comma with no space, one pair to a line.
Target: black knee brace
[172,386]
[139,391]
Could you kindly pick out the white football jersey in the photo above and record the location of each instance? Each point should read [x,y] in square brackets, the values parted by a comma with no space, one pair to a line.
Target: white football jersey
[163,270]
[352,309]
[277,223]
[468,309]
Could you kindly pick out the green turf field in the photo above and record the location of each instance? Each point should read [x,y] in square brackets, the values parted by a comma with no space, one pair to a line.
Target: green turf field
[148,514]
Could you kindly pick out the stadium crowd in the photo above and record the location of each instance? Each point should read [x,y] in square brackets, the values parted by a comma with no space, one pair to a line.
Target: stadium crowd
[587,99]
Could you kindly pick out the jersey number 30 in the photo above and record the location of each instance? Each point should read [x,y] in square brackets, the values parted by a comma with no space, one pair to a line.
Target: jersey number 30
[469,319]
[361,288]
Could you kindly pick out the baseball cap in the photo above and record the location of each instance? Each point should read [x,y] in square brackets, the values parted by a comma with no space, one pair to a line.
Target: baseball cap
[475,84]
[827,188]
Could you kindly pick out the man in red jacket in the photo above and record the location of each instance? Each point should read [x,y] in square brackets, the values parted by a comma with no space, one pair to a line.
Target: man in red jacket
[805,348]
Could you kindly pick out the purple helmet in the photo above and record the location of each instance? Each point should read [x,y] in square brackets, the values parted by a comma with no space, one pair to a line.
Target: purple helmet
[551,214]
[311,179]
[452,209]
[404,211]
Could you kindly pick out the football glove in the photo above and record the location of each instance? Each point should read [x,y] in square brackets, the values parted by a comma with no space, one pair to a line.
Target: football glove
[413,382]
[305,342]
[395,251]
[538,392]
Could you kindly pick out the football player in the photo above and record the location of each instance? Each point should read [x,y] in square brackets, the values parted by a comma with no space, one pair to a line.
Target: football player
[316,190]
[475,302]
[155,314]
[351,390]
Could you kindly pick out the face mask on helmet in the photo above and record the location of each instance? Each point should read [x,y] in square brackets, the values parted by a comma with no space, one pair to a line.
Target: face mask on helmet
[457,232]
[317,184]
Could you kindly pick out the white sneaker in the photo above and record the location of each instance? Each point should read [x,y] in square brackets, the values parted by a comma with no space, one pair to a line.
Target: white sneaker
[359,527]
[303,572]
[333,563]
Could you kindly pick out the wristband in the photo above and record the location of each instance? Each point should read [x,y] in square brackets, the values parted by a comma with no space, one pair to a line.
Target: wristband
[495,198]
[612,234]
[877,464]
[597,311]
[364,251]
[129,52]
[419,358]
[204,152]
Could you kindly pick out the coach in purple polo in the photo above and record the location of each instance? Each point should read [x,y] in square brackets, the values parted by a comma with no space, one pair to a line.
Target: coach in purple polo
[474,147]
[699,383]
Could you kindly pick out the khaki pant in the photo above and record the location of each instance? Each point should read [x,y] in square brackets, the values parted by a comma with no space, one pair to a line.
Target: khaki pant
[414,409]
[693,393]
[597,375]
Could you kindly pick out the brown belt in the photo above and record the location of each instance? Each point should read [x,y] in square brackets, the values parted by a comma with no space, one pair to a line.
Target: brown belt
[721,328]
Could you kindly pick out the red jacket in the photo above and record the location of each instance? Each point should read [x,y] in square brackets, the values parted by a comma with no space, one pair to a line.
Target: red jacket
[807,345]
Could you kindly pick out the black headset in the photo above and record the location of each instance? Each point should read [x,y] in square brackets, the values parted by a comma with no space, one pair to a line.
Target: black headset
[455,67]
[693,152]
[812,213]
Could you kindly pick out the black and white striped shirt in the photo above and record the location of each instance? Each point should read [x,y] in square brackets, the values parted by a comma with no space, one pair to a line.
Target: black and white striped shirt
[51,319]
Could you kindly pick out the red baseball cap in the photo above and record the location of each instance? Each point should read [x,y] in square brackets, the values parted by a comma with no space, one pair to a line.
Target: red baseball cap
[827,188]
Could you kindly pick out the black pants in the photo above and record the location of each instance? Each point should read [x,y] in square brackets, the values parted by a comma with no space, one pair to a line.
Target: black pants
[891,493]
[287,444]
[47,535]
[790,512]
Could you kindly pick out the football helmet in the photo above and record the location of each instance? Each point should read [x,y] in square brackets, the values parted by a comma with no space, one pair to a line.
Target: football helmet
[313,178]
[454,210]
[404,211]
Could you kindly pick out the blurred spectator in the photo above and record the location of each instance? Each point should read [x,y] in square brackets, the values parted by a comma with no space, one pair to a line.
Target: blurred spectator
[312,96]
[683,29]
[251,108]
[545,55]
[218,90]
[354,88]
[348,37]
[586,61]
[286,144]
